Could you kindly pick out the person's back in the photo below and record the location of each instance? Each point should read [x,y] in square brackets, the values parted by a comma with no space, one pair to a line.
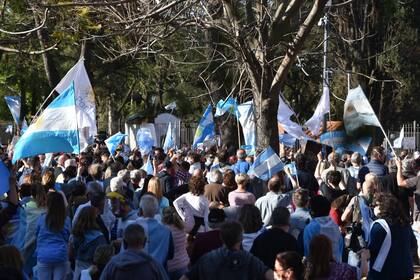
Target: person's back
[133,262]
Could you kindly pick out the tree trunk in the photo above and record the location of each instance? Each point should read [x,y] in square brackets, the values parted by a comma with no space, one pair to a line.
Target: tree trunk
[49,67]
[265,107]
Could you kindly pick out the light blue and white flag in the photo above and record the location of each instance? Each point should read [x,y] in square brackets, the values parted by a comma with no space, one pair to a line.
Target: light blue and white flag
[85,102]
[148,166]
[54,131]
[24,126]
[205,129]
[169,139]
[4,178]
[13,102]
[283,118]
[228,105]
[358,112]
[247,120]
[399,141]
[266,164]
[113,142]
[287,139]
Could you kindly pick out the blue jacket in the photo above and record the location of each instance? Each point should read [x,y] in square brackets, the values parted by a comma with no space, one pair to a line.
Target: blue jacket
[85,246]
[241,166]
[52,246]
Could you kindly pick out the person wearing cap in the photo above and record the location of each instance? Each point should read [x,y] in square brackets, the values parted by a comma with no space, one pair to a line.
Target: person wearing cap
[275,240]
[229,261]
[121,208]
[210,240]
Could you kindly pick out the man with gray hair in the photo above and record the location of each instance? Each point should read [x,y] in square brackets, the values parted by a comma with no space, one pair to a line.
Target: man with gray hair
[213,190]
[133,262]
[159,239]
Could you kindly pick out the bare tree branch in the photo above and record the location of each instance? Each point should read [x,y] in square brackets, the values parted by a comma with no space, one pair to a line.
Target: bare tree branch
[27,31]
[11,50]
[75,4]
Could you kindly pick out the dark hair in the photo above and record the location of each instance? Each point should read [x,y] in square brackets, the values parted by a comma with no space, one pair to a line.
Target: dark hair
[231,233]
[185,165]
[25,190]
[97,198]
[229,179]
[280,216]
[196,185]
[320,206]
[390,209]
[334,177]
[10,257]
[171,217]
[320,256]
[39,195]
[301,197]
[56,212]
[292,260]
[134,236]
[377,151]
[250,218]
[101,257]
[275,184]
[85,221]
[341,202]
[78,188]
[300,161]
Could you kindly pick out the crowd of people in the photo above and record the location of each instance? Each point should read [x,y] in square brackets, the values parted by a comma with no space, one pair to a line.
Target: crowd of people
[189,214]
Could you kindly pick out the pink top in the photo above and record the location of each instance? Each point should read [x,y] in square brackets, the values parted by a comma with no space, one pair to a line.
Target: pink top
[180,259]
[237,198]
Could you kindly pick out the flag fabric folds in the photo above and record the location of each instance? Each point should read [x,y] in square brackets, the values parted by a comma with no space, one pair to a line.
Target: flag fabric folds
[146,138]
[266,164]
[205,129]
[398,143]
[169,139]
[4,178]
[287,139]
[55,130]
[148,166]
[113,142]
[247,121]
[358,112]
[24,126]
[13,102]
[85,102]
[228,105]
[283,117]
[315,122]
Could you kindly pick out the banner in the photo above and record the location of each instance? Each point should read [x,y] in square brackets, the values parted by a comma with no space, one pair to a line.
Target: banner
[146,138]
[341,142]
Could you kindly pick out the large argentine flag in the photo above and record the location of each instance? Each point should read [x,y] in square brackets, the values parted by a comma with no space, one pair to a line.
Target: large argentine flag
[54,131]
[267,164]
[205,129]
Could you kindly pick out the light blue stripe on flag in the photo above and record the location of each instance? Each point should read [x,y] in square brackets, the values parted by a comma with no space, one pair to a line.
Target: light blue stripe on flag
[287,139]
[113,142]
[4,178]
[205,129]
[267,164]
[54,131]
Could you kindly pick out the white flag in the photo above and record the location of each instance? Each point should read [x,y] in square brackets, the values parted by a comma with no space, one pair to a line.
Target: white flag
[323,107]
[247,120]
[170,106]
[283,117]
[85,102]
[399,141]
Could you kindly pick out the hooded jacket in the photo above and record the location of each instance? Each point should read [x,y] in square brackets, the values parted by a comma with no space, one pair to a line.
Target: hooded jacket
[131,264]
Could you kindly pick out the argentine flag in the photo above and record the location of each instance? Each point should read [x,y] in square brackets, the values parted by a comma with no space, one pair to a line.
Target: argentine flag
[113,142]
[205,129]
[13,102]
[54,131]
[266,164]
[169,139]
[228,105]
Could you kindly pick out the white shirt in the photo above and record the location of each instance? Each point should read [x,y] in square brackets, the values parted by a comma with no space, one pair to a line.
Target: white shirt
[195,206]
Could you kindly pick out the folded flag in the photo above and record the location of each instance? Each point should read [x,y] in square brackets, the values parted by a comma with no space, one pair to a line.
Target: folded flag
[148,166]
[169,139]
[113,142]
[267,164]
[399,141]
[4,178]
[205,129]
[315,122]
[228,105]
[54,131]
[13,102]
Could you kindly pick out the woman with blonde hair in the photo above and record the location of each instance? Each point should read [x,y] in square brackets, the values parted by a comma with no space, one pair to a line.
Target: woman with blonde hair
[178,266]
[241,196]
[155,187]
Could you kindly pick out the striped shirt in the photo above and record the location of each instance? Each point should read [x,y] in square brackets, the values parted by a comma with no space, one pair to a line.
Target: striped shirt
[180,259]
